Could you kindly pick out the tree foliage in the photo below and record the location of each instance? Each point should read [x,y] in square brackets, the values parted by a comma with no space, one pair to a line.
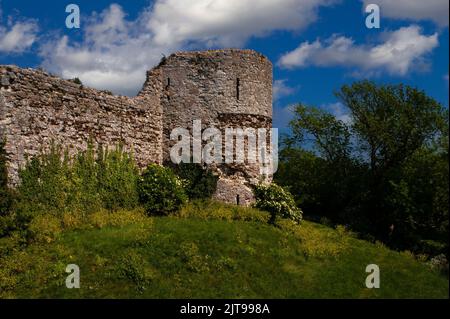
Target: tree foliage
[160,191]
[55,182]
[198,182]
[277,201]
[385,171]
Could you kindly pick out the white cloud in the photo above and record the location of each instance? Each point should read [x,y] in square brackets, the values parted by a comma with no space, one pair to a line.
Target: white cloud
[16,37]
[339,111]
[415,10]
[282,89]
[115,52]
[400,52]
[228,22]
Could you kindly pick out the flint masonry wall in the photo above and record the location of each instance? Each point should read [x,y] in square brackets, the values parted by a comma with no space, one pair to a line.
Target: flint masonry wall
[203,85]
[37,108]
[222,88]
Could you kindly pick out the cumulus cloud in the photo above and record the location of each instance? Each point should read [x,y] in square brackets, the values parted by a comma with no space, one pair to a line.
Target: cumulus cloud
[398,53]
[115,52]
[339,110]
[282,89]
[415,10]
[16,37]
[228,22]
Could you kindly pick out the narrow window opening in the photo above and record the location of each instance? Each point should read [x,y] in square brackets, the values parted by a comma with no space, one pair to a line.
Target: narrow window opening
[238,86]
[167,88]
[237,200]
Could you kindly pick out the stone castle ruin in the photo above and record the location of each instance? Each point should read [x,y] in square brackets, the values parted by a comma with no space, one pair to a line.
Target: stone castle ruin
[221,88]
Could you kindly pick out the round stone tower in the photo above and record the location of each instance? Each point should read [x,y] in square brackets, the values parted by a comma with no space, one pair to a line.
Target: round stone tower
[222,89]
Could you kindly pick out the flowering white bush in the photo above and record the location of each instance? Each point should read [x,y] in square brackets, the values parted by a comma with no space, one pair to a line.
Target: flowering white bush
[160,190]
[278,202]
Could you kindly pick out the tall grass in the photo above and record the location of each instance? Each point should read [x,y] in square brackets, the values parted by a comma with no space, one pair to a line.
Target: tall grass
[56,183]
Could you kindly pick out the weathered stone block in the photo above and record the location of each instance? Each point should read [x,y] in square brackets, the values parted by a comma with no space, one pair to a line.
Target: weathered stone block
[222,88]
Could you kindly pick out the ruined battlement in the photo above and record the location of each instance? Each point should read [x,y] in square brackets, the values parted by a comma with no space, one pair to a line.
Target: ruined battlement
[219,87]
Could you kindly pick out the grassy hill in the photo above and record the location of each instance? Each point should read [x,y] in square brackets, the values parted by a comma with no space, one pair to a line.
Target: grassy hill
[214,251]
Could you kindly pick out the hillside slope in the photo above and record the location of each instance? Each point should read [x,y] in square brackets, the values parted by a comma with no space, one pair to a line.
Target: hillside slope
[212,258]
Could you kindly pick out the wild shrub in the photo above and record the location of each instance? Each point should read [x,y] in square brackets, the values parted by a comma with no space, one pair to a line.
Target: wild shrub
[55,183]
[117,178]
[134,267]
[199,182]
[193,259]
[44,228]
[278,202]
[439,263]
[432,248]
[7,224]
[77,81]
[85,192]
[46,184]
[160,190]
[72,220]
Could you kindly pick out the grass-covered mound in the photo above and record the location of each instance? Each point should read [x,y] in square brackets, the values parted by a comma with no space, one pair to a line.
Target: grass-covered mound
[207,251]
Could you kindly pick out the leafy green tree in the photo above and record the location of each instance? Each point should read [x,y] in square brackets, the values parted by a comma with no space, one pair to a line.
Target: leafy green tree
[418,198]
[390,123]
[322,172]
[385,171]
[329,136]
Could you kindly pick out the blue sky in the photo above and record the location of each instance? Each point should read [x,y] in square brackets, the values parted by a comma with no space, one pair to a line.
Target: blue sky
[316,46]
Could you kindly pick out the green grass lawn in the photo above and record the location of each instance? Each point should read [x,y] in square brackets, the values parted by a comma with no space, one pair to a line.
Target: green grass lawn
[174,257]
